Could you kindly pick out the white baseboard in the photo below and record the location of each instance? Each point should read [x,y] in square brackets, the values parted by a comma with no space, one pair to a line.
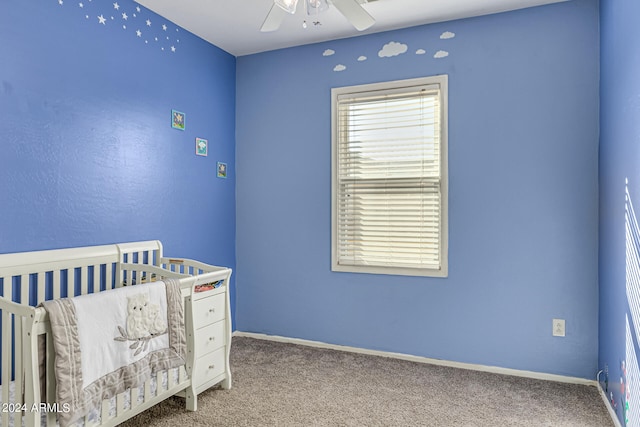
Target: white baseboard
[420,359]
[612,413]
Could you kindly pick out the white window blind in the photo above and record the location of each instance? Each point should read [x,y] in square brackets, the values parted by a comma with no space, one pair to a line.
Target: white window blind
[388,179]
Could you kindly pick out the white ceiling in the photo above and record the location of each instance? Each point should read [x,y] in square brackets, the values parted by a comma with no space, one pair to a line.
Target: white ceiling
[234,25]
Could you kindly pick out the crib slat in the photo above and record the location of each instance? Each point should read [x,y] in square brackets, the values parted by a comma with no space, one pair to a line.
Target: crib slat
[41,290]
[183,374]
[6,359]
[31,374]
[96,278]
[84,281]
[119,404]
[135,392]
[147,391]
[108,281]
[71,282]
[18,369]
[171,378]
[56,284]
[51,418]
[17,348]
[119,275]
[142,394]
[50,382]
[24,289]
[6,344]
[176,376]
[8,288]
[104,410]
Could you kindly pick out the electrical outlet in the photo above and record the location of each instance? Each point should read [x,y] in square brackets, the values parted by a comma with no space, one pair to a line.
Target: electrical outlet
[558,327]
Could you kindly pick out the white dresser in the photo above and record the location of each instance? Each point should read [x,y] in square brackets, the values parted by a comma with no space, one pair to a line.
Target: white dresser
[208,323]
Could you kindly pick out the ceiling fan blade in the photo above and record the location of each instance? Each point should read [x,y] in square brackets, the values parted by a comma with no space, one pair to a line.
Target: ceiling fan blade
[355,13]
[274,18]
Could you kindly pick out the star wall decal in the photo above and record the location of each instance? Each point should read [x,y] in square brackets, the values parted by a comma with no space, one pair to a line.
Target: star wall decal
[129,11]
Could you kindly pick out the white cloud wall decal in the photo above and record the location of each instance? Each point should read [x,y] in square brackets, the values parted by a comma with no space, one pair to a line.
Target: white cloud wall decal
[447,35]
[328,52]
[362,58]
[392,49]
[420,52]
[441,54]
[339,67]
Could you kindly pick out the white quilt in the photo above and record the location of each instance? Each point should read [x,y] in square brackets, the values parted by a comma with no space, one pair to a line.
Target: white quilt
[118,328]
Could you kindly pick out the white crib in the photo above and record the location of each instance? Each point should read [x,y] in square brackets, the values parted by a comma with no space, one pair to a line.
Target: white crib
[27,395]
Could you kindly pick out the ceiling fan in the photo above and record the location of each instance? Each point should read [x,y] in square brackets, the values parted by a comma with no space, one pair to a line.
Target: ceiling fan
[351,9]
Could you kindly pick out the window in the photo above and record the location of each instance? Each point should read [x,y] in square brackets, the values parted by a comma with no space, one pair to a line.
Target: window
[389,178]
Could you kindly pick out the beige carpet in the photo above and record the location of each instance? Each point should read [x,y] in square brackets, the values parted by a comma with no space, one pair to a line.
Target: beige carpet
[276,384]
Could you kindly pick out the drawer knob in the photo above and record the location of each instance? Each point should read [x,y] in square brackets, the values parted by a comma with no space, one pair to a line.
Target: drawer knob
[212,310]
[212,338]
[211,366]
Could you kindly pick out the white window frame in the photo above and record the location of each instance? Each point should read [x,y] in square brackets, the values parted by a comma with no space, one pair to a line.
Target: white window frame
[395,86]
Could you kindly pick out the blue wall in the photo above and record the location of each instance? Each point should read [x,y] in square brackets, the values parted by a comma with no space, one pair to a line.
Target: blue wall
[523,162]
[87,152]
[88,156]
[619,192]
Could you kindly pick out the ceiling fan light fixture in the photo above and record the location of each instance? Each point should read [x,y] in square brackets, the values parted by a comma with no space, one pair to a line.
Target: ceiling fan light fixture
[287,5]
[351,9]
[315,7]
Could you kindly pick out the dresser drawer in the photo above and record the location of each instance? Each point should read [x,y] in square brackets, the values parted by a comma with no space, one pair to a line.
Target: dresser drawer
[209,366]
[209,338]
[208,310]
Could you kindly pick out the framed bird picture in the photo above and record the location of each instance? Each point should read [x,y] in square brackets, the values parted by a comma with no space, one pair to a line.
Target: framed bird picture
[202,147]
[222,170]
[177,120]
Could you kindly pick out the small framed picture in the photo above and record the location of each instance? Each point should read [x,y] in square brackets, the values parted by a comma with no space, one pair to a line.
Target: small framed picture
[202,147]
[222,170]
[177,120]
